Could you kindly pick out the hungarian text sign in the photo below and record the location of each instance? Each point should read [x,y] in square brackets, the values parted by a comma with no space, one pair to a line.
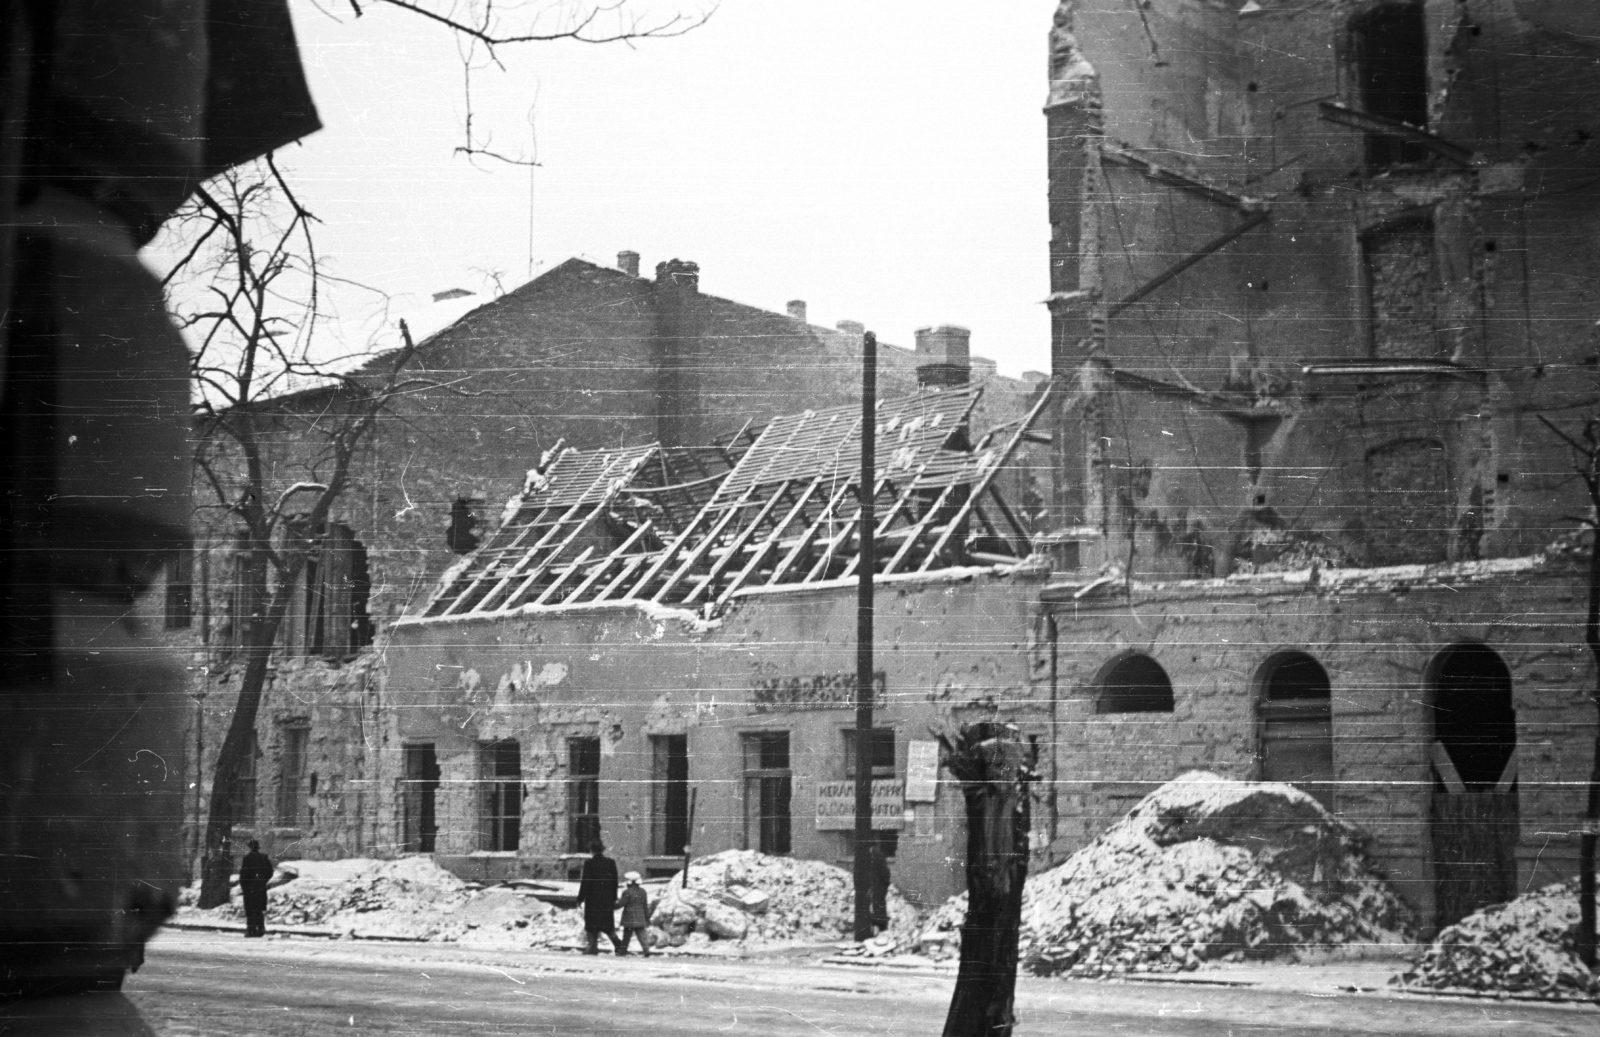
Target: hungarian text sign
[836,805]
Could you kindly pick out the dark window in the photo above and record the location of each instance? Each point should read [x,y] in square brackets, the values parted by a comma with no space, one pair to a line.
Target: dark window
[880,750]
[243,803]
[1474,715]
[767,786]
[1297,725]
[669,794]
[292,766]
[179,612]
[1135,684]
[338,584]
[460,535]
[1390,44]
[419,796]
[583,793]
[500,766]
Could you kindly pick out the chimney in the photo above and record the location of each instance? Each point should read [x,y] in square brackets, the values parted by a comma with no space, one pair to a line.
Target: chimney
[680,274]
[851,327]
[797,309]
[944,356]
[628,263]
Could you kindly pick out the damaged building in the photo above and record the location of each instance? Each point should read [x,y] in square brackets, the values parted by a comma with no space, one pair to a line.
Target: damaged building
[1321,272]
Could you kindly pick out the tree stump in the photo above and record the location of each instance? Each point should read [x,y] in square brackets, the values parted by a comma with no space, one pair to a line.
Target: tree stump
[994,769]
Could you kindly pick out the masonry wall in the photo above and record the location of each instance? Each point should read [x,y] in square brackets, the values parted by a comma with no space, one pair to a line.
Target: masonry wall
[948,651]
[1375,636]
[1254,447]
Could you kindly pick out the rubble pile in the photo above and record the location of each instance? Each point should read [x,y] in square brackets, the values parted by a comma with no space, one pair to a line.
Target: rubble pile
[407,899]
[1203,868]
[757,899]
[1526,946]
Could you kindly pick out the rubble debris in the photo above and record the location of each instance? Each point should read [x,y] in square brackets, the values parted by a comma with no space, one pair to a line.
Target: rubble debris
[1203,868]
[407,899]
[759,899]
[1526,946]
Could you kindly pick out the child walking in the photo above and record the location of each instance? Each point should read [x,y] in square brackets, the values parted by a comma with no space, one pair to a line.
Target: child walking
[635,914]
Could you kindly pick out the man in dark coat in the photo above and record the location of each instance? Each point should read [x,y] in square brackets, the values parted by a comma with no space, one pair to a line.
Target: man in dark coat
[254,874]
[597,895]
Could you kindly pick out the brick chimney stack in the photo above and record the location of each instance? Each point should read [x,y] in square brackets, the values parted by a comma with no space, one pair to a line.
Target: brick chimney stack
[680,274]
[797,309]
[628,263]
[944,356]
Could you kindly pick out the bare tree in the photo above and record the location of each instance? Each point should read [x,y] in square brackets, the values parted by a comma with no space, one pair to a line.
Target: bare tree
[994,769]
[1585,447]
[483,27]
[246,288]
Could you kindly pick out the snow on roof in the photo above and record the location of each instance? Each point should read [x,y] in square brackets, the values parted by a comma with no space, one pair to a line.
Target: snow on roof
[689,528]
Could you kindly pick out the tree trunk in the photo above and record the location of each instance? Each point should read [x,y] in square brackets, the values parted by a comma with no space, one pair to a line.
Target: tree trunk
[1586,841]
[260,636]
[994,769]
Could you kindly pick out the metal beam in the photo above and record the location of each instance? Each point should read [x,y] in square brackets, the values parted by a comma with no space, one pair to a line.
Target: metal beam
[1173,178]
[1214,245]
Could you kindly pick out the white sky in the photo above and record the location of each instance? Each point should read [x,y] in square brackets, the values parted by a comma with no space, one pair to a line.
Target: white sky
[881,159]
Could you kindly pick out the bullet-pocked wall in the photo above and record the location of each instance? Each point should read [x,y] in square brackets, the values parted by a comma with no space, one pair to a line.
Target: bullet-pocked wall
[1389,740]
[592,704]
[1313,266]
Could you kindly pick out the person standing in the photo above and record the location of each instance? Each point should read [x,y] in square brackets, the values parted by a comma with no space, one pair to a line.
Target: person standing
[635,914]
[878,887]
[597,895]
[255,871]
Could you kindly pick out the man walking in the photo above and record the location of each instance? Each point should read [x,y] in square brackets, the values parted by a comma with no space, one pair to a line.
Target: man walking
[597,895]
[254,873]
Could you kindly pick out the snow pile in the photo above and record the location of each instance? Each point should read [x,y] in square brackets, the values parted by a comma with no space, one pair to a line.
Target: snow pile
[757,899]
[407,899]
[1202,868]
[1525,946]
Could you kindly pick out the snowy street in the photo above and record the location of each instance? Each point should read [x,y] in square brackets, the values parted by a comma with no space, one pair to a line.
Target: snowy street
[204,983]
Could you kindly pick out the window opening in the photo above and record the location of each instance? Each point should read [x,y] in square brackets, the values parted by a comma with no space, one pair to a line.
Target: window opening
[420,798]
[880,751]
[243,803]
[669,794]
[583,793]
[1391,52]
[1401,289]
[1473,715]
[1411,504]
[1135,684]
[296,741]
[1297,725]
[338,585]
[767,788]
[501,769]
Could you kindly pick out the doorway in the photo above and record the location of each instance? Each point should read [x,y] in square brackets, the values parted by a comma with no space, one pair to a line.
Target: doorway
[1473,753]
[1296,718]
[419,798]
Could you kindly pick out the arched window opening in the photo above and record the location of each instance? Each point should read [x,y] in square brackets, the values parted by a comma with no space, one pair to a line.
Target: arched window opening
[1473,716]
[1297,724]
[1135,684]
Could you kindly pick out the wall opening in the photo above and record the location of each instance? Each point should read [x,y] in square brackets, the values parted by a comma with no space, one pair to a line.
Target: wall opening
[1294,706]
[294,740]
[1390,46]
[583,793]
[500,776]
[767,787]
[1474,815]
[243,803]
[1135,683]
[338,585]
[669,794]
[420,798]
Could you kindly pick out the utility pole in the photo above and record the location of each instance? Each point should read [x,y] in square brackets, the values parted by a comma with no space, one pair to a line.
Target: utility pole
[864,572]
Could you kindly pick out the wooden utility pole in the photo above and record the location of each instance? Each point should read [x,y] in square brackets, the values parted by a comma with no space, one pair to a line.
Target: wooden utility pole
[865,567]
[994,769]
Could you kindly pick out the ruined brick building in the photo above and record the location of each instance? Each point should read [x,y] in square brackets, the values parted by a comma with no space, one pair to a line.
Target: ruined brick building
[582,357]
[1318,268]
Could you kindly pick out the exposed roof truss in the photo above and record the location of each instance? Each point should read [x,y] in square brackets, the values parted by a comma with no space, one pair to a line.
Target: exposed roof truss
[784,510]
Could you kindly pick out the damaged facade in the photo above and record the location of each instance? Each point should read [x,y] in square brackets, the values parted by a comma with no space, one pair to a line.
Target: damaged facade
[1317,270]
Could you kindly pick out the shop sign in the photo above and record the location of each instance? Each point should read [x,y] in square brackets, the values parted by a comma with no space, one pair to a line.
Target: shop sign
[836,805]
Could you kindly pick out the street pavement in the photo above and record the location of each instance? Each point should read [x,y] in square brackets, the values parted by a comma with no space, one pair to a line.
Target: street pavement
[219,984]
